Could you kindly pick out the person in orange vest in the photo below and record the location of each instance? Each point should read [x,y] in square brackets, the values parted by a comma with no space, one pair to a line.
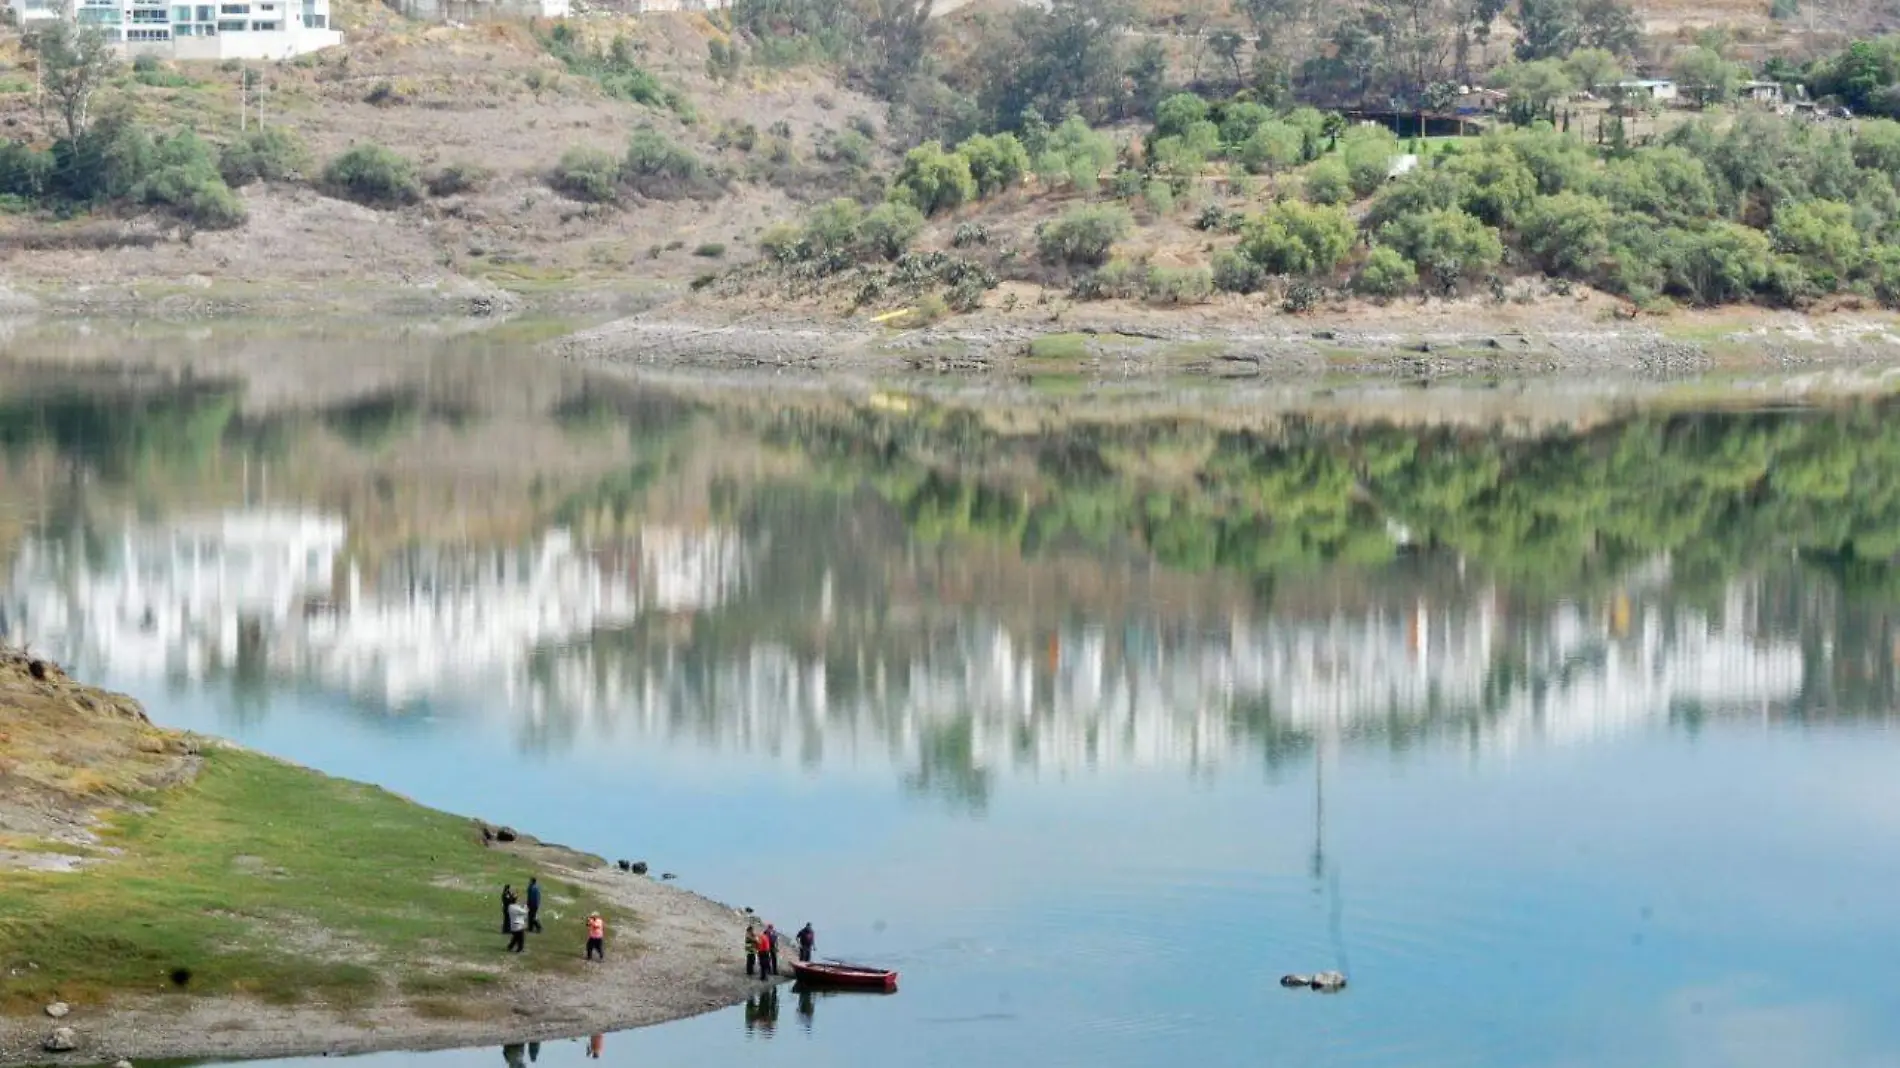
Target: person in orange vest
[596,937]
[752,950]
[768,950]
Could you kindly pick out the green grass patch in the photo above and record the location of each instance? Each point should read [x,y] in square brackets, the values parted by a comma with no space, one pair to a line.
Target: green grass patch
[273,882]
[1060,347]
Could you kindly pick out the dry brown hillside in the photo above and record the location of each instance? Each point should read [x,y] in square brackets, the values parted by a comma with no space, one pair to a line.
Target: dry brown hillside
[492,96]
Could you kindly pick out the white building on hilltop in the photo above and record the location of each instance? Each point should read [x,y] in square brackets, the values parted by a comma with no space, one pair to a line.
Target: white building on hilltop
[249,29]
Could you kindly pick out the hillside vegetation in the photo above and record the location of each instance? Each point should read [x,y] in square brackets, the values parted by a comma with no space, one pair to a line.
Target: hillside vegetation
[873,156]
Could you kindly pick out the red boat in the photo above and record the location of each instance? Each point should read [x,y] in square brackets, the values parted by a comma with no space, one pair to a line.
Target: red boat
[852,976]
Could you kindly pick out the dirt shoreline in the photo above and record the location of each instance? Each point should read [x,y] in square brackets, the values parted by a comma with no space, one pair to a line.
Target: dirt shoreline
[687,963]
[1439,341]
[679,955]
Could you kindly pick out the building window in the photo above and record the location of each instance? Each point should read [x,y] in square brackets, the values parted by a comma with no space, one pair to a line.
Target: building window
[148,35]
[207,13]
[146,18]
[231,26]
[182,30]
[234,9]
[315,22]
[266,27]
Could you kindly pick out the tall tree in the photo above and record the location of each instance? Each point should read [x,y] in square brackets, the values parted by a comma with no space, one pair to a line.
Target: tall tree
[1546,28]
[74,61]
[1418,38]
[899,31]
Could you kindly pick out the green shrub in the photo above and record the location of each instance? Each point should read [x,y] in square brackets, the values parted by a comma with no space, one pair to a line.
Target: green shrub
[1717,265]
[853,148]
[1368,152]
[587,174]
[1126,183]
[457,178]
[711,250]
[1075,155]
[1083,236]
[657,167]
[1877,146]
[832,228]
[1568,234]
[932,180]
[1449,244]
[1240,120]
[1175,115]
[1386,273]
[1421,190]
[374,175]
[25,171]
[888,229]
[1327,182]
[1498,184]
[996,163]
[1669,183]
[185,181]
[1159,196]
[1178,285]
[271,154]
[1295,238]
[1820,233]
[1272,146]
[1235,273]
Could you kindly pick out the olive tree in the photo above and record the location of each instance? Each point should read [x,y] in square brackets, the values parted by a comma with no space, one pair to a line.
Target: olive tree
[74,61]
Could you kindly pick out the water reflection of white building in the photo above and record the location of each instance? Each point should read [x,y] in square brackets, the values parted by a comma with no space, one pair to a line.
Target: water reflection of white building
[1142,696]
[509,628]
[186,599]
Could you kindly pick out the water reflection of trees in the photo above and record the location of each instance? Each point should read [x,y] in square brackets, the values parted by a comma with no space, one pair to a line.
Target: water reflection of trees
[907,549]
[1713,490]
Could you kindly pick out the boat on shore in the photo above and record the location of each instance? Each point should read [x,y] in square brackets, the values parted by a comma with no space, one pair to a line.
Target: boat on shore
[844,976]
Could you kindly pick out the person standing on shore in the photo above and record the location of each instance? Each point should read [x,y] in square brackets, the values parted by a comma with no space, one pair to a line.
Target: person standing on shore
[517,928]
[771,949]
[752,950]
[596,937]
[507,900]
[807,938]
[534,905]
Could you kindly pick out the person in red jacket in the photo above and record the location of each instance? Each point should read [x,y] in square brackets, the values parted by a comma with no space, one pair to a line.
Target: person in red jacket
[596,937]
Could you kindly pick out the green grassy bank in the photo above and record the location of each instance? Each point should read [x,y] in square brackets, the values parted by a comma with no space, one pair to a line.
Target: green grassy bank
[264,880]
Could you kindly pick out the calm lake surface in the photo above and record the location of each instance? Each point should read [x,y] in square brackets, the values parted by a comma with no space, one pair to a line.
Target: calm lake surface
[1568,734]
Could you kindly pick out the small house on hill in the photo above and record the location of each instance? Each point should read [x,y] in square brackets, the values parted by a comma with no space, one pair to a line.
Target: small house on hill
[1769,94]
[1659,89]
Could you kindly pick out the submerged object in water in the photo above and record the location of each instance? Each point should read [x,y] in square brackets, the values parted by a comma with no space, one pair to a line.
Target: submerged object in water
[1322,981]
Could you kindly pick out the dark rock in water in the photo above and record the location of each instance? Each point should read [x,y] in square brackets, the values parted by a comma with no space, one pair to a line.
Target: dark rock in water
[506,834]
[668,875]
[1329,981]
[1291,981]
[639,867]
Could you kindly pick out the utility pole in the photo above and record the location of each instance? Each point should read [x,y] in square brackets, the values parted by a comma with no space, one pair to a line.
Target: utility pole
[243,85]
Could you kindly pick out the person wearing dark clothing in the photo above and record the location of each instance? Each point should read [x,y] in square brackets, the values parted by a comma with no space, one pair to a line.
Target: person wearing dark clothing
[534,906]
[507,899]
[807,938]
[752,951]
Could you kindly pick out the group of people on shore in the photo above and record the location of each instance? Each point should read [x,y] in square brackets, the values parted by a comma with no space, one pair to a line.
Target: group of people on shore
[519,919]
[761,949]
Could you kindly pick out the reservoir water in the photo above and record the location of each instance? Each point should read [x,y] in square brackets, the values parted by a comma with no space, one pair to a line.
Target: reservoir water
[1565,729]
